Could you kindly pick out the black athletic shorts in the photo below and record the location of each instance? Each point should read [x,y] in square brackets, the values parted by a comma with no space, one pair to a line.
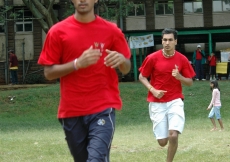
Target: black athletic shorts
[89,137]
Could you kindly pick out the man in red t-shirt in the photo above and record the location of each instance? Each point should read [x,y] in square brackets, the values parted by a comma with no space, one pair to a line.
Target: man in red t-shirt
[83,51]
[212,65]
[13,66]
[167,69]
[199,61]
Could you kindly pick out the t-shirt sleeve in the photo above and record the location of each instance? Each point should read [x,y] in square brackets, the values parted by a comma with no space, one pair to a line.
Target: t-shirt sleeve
[187,70]
[52,49]
[146,67]
[120,44]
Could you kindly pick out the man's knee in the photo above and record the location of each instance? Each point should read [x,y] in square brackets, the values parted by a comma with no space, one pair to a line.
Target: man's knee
[173,136]
[163,142]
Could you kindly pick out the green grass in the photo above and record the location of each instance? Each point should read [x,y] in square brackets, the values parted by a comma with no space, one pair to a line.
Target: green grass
[30,132]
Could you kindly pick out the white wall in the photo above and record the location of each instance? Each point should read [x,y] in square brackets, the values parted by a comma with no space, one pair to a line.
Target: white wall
[193,20]
[221,19]
[1,2]
[136,23]
[28,41]
[54,1]
[139,23]
[18,2]
[2,47]
[222,46]
[191,47]
[162,22]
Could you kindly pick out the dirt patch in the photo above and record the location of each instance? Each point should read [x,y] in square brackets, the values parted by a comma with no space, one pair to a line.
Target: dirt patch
[21,86]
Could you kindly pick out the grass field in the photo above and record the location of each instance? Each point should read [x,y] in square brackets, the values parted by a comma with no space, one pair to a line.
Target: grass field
[30,132]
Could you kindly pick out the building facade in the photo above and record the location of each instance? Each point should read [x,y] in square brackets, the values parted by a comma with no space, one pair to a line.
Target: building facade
[204,22]
[22,32]
[194,16]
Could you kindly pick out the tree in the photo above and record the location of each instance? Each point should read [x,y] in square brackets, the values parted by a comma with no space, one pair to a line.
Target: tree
[114,9]
[44,12]
[227,1]
[109,9]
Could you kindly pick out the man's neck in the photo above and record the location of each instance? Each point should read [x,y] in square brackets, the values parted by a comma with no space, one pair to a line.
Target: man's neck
[86,18]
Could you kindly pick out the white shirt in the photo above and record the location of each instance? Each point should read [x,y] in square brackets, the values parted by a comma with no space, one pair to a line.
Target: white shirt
[215,98]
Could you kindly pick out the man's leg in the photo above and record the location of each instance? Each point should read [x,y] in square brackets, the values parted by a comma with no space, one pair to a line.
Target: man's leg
[12,76]
[214,70]
[202,71]
[76,136]
[173,144]
[176,121]
[163,142]
[16,76]
[198,68]
[101,130]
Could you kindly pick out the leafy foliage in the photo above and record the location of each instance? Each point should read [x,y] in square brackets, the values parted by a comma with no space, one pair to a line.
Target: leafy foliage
[3,11]
[227,1]
[69,10]
[113,9]
[108,9]
[44,13]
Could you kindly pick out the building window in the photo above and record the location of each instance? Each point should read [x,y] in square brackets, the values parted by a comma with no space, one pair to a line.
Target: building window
[136,10]
[23,20]
[193,6]
[220,5]
[164,7]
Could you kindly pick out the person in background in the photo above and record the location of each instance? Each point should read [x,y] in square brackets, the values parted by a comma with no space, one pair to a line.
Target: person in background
[212,66]
[13,66]
[215,105]
[84,51]
[198,62]
[168,70]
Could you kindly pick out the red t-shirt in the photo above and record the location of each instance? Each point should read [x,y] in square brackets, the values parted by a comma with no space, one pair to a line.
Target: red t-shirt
[13,60]
[212,61]
[92,89]
[198,55]
[160,69]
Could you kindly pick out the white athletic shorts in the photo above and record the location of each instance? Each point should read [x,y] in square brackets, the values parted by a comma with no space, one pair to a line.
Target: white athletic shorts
[167,116]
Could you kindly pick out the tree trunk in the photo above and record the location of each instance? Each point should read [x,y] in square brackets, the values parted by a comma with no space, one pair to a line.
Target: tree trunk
[43,13]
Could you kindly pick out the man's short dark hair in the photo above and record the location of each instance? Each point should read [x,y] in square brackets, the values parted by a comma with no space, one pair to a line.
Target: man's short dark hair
[169,31]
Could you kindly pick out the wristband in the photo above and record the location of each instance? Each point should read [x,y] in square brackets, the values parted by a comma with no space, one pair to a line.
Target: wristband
[74,64]
[150,88]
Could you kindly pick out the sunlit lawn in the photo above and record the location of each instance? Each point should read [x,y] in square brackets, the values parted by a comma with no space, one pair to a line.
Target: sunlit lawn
[30,132]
